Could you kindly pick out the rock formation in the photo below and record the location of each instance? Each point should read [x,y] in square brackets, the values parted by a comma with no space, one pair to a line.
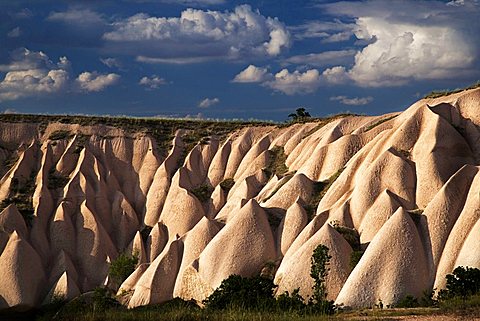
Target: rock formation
[402,188]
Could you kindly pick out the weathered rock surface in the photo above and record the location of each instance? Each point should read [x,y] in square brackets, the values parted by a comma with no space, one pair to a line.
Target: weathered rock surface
[262,196]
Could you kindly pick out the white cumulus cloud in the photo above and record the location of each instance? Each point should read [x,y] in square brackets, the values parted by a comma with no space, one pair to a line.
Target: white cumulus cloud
[284,81]
[335,31]
[32,73]
[336,75]
[404,51]
[152,82]
[252,74]
[296,82]
[208,102]
[410,40]
[323,58]
[355,101]
[200,35]
[93,81]
[82,17]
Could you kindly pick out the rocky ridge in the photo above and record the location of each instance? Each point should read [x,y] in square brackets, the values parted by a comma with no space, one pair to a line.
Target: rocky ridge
[403,185]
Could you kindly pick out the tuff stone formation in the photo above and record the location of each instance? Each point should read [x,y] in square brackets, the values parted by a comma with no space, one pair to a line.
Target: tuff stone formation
[265,197]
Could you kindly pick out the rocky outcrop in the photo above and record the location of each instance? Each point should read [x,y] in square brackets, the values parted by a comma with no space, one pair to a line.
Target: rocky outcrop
[404,185]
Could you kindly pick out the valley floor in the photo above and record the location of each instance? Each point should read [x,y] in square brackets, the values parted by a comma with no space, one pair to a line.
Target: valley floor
[188,314]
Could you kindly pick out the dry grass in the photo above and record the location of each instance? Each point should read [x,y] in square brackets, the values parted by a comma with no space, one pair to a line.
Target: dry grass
[446,92]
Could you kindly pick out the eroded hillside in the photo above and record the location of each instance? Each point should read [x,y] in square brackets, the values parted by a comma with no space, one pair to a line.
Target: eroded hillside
[401,190]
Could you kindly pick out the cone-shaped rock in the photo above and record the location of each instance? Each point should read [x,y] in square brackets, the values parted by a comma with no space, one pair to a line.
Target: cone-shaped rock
[227,253]
[22,274]
[296,271]
[292,224]
[393,266]
[157,282]
[195,242]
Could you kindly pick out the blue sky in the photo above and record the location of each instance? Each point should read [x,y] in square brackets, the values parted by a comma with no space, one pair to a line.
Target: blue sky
[232,59]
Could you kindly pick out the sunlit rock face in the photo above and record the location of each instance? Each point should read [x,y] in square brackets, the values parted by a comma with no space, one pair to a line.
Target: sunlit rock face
[401,188]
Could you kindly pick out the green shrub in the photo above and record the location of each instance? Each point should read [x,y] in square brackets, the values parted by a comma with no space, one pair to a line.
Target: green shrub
[145,232]
[463,282]
[56,180]
[276,163]
[319,271]
[176,304]
[21,194]
[227,184]
[203,192]
[355,257]
[319,191]
[467,306]
[349,234]
[381,121]
[300,115]
[240,292]
[427,300]
[291,302]
[408,301]
[122,267]
[60,134]
[97,302]
[103,299]
[446,92]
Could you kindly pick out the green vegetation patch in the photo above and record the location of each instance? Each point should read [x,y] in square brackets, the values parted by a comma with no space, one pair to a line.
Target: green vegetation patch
[227,184]
[10,161]
[446,92]
[80,142]
[22,196]
[469,306]
[381,121]
[349,234]
[122,267]
[464,282]
[286,178]
[300,115]
[203,192]
[145,232]
[161,129]
[60,134]
[355,257]
[244,293]
[319,191]
[56,180]
[276,164]
[319,269]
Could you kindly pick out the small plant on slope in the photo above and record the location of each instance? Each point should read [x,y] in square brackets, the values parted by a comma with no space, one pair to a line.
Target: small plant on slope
[227,184]
[319,271]
[203,192]
[122,267]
